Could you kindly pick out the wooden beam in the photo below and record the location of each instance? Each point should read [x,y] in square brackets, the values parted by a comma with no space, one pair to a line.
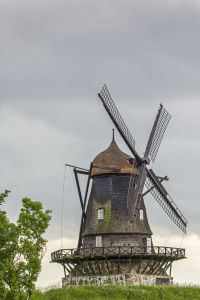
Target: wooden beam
[139,264]
[98,265]
[76,267]
[160,259]
[83,266]
[82,172]
[130,264]
[147,266]
[107,265]
[90,266]
[153,265]
[70,268]
[160,267]
[118,264]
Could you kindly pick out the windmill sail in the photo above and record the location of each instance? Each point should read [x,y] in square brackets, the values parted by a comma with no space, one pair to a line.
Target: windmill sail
[158,130]
[144,176]
[117,120]
[134,189]
[165,201]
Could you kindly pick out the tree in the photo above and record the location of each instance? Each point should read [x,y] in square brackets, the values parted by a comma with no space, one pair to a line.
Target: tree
[27,248]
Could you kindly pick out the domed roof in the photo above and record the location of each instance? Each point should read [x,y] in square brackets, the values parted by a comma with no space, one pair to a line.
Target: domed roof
[112,157]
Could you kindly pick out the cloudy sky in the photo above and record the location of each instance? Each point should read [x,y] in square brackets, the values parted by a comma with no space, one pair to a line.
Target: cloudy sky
[55,56]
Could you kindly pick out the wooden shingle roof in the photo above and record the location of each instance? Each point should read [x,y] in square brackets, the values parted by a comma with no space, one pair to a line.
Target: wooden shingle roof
[115,158]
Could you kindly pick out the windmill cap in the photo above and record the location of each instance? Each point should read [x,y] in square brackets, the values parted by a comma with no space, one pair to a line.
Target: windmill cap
[113,157]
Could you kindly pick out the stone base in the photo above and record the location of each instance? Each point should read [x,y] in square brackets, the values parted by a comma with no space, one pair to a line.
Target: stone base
[118,279]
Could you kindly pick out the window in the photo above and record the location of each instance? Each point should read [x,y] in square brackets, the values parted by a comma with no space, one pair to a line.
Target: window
[100,214]
[99,241]
[148,242]
[141,214]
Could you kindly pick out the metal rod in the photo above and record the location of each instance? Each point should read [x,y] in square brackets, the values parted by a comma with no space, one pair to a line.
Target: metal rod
[79,192]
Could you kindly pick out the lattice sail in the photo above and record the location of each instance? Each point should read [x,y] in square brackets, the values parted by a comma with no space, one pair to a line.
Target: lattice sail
[134,190]
[165,202]
[117,119]
[158,131]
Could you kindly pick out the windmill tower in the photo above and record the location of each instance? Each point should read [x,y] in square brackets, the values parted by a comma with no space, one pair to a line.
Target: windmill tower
[115,240]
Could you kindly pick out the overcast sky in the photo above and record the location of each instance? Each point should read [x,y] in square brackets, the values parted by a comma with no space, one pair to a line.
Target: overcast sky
[55,56]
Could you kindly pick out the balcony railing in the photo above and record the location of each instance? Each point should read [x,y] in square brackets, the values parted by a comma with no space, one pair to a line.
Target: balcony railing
[116,251]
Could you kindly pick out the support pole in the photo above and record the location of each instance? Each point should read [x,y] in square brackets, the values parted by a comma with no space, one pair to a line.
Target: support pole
[79,192]
[84,205]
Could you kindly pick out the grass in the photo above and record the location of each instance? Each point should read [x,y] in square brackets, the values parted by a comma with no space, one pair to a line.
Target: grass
[118,293]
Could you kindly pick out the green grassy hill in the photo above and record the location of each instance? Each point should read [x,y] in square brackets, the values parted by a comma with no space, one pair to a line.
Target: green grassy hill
[119,292]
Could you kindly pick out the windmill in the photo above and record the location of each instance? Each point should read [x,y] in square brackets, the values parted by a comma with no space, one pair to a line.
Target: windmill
[115,236]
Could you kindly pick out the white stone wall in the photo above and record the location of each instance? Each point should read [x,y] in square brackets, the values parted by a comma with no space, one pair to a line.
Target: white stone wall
[119,279]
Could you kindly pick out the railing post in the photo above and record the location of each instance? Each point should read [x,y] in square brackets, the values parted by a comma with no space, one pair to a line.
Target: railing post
[131,250]
[103,250]
[71,252]
[158,250]
[119,250]
[171,251]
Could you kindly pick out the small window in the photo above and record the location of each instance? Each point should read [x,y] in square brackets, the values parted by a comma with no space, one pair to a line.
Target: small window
[148,242]
[141,214]
[99,241]
[100,214]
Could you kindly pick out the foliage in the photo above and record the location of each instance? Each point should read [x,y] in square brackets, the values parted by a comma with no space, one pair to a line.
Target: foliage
[22,248]
[109,292]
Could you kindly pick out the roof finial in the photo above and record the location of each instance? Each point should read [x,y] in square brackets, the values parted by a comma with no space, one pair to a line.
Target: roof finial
[113,135]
